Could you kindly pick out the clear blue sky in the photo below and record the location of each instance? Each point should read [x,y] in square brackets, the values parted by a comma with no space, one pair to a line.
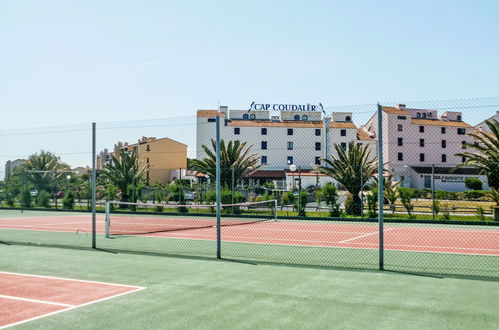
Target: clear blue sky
[82,61]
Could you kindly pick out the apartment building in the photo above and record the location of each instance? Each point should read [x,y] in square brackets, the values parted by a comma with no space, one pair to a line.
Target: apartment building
[418,141]
[163,157]
[483,126]
[10,167]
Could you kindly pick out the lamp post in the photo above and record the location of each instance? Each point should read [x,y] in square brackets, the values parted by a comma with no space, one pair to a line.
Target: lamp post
[293,168]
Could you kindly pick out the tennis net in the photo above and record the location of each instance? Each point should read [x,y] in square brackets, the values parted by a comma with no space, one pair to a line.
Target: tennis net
[146,218]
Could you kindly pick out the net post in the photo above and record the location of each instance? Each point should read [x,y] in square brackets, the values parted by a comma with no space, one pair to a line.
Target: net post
[275,209]
[217,180]
[380,187]
[94,174]
[108,208]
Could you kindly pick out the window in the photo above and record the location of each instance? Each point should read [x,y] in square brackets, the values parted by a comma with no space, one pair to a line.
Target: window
[399,127]
[424,114]
[463,159]
[317,146]
[290,131]
[421,142]
[344,145]
[401,117]
[211,120]
[421,157]
[264,159]
[245,116]
[264,145]
[418,115]
[264,131]
[304,117]
[290,145]
[400,156]
[459,118]
[237,130]
[148,148]
[147,160]
[461,131]
[290,160]
[400,142]
[442,130]
[317,132]
[444,158]
[348,118]
[421,129]
[252,116]
[296,117]
[343,132]
[464,145]
[444,144]
[317,160]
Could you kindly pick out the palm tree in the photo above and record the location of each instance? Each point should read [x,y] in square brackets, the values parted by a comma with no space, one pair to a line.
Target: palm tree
[347,169]
[236,160]
[390,189]
[43,169]
[486,154]
[126,173]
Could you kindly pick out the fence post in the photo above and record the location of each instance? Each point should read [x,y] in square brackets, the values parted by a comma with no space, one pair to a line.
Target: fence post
[108,219]
[433,191]
[380,187]
[217,180]
[94,229]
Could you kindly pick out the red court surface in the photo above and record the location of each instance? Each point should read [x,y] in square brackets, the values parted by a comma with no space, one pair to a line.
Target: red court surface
[25,297]
[421,238]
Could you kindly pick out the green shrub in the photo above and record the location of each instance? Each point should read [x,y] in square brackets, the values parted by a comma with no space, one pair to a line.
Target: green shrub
[406,195]
[43,199]
[372,204]
[68,201]
[473,184]
[474,194]
[349,205]
[26,198]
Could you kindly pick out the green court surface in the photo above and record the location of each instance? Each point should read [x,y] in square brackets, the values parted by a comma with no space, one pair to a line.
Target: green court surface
[189,293]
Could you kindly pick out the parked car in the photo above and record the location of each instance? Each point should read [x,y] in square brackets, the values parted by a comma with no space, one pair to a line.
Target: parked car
[190,196]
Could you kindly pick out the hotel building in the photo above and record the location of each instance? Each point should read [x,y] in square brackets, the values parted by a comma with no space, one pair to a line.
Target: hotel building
[280,138]
[417,140]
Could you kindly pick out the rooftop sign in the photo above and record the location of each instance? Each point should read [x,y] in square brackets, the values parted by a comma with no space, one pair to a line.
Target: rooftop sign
[286,107]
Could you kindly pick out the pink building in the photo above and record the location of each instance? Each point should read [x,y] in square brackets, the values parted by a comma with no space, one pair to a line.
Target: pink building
[417,139]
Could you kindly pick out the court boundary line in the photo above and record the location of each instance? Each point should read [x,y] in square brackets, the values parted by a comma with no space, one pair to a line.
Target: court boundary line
[36,301]
[365,235]
[136,289]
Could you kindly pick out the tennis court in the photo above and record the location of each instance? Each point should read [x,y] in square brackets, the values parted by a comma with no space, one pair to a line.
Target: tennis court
[28,297]
[448,239]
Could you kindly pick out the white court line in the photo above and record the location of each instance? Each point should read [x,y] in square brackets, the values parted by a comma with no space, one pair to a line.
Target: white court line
[73,280]
[36,301]
[135,289]
[43,224]
[432,247]
[47,217]
[365,235]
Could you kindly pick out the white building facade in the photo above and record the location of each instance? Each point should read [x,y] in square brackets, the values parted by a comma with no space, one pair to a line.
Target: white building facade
[417,140]
[283,139]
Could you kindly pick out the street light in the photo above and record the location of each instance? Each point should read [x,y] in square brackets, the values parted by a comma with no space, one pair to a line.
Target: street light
[293,168]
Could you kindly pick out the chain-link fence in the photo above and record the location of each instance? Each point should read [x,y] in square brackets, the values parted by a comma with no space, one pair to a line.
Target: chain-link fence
[295,184]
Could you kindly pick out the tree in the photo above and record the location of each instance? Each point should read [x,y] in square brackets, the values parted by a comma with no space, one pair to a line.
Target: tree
[390,192]
[44,169]
[126,173]
[330,196]
[473,184]
[406,195]
[236,161]
[347,167]
[486,153]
